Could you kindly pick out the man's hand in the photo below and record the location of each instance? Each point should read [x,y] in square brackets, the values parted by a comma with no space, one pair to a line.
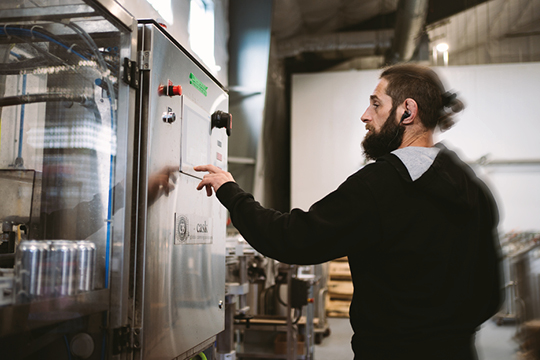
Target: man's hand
[214,179]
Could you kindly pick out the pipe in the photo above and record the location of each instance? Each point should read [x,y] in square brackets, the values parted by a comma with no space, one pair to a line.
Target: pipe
[410,20]
[369,42]
[23,65]
[45,97]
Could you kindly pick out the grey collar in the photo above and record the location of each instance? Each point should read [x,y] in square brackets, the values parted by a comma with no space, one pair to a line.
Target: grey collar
[416,159]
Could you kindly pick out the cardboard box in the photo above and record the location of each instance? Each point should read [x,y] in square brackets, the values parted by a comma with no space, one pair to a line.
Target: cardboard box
[280,344]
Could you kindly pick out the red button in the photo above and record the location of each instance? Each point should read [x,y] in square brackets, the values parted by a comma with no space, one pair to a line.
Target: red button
[176,90]
[170,90]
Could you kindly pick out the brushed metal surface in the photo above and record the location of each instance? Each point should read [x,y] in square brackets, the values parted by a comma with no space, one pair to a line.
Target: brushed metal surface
[182,282]
[47,13]
[120,16]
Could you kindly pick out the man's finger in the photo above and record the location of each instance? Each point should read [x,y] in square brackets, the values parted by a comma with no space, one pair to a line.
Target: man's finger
[201,185]
[210,168]
[208,190]
[201,168]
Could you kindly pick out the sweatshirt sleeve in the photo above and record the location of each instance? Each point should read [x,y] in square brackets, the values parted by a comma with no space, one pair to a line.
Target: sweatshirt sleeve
[340,223]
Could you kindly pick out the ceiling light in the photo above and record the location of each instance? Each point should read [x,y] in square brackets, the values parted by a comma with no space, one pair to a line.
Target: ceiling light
[442,47]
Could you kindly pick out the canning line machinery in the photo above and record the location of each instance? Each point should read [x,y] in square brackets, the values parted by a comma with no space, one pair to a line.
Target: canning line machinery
[273,310]
[107,250]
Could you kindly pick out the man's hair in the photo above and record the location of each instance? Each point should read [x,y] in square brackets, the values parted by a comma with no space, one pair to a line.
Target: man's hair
[435,106]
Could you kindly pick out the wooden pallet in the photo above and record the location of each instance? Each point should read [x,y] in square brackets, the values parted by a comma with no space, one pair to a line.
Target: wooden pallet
[337,308]
[529,339]
[340,289]
[339,270]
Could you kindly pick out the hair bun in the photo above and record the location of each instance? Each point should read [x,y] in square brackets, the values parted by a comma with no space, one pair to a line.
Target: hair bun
[448,98]
[451,105]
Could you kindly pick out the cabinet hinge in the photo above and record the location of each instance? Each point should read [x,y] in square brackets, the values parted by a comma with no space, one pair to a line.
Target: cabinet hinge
[131,73]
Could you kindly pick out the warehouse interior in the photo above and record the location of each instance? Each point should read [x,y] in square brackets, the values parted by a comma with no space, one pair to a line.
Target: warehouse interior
[108,251]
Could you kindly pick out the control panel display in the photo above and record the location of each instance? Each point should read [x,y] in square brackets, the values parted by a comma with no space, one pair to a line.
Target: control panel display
[196,132]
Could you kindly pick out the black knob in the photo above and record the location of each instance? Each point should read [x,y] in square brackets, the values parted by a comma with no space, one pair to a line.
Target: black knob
[221,119]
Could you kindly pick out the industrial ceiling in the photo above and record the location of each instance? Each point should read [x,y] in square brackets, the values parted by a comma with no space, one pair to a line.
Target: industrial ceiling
[359,34]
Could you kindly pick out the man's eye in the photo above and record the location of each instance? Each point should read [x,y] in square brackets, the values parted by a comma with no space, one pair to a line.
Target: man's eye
[375,105]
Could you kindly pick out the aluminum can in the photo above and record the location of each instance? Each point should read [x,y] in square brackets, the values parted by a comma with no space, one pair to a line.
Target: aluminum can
[30,271]
[86,265]
[63,267]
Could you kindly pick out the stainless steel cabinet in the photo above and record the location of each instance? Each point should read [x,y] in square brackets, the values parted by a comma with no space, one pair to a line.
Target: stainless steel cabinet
[181,234]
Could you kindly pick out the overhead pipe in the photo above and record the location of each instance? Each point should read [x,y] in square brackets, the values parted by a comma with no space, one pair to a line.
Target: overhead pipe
[410,19]
[370,42]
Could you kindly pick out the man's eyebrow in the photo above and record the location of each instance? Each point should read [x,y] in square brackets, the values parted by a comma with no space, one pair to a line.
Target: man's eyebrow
[374,98]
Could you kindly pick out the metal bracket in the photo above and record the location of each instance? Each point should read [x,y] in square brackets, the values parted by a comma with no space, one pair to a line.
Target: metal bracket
[145,59]
[121,339]
[136,338]
[126,338]
[131,73]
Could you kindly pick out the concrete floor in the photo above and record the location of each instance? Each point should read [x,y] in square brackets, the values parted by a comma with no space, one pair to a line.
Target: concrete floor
[492,342]
[495,342]
[338,344]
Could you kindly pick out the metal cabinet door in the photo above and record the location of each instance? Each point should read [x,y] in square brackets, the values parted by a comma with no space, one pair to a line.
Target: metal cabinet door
[180,279]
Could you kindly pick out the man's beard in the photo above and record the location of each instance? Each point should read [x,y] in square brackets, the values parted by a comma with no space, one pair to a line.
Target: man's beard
[386,140]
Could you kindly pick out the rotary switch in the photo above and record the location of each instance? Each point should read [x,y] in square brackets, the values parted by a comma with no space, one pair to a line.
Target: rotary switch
[221,119]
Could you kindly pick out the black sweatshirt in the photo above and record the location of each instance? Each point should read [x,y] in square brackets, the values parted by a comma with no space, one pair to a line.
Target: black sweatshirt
[423,254]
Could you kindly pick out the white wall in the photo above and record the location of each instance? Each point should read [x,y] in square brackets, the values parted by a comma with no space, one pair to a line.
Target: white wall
[500,121]
[326,131]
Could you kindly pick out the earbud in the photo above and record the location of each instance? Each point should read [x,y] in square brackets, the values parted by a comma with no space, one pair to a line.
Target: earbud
[405,115]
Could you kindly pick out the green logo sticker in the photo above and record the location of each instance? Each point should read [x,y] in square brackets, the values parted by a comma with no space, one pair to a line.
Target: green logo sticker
[198,84]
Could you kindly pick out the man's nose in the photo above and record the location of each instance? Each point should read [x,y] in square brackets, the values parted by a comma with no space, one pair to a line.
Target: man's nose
[365,118]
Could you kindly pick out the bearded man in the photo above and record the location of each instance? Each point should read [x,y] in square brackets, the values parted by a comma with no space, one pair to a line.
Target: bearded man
[418,227]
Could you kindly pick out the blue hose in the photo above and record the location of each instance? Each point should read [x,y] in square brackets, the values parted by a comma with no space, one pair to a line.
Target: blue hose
[67,347]
[32,33]
[110,205]
[16,55]
[21,128]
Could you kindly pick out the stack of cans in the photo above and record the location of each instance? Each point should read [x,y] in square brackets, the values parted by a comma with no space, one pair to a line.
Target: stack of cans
[48,269]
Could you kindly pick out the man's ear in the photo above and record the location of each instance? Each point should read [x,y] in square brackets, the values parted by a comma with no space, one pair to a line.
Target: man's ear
[410,108]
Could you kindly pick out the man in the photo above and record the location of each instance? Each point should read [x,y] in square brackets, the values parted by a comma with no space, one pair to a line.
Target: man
[418,227]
